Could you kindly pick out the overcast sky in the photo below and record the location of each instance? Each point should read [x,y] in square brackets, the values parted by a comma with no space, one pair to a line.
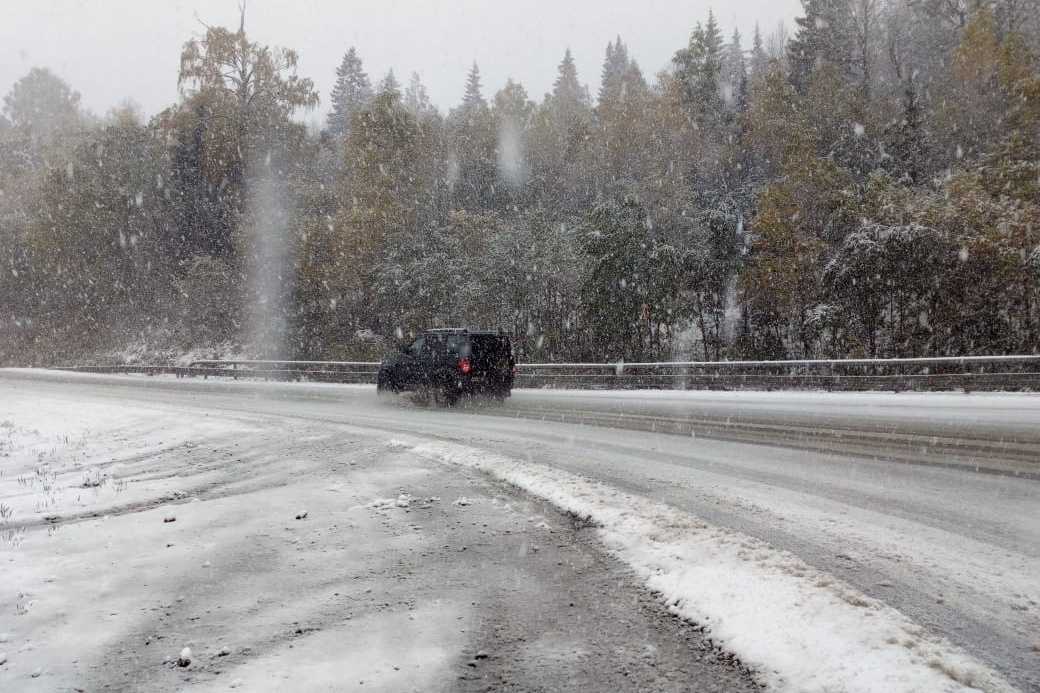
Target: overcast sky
[111,50]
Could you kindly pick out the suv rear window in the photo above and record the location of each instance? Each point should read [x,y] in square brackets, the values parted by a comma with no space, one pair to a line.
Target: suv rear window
[490,346]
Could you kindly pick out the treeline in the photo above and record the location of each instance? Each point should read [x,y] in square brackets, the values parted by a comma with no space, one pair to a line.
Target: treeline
[868,185]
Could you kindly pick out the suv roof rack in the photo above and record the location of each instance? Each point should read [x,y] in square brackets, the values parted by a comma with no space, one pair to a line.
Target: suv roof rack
[464,330]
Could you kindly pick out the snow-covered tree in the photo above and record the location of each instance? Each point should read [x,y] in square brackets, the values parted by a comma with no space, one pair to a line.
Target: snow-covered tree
[416,98]
[352,91]
[472,138]
[389,85]
[43,105]
[734,75]
[824,36]
[615,64]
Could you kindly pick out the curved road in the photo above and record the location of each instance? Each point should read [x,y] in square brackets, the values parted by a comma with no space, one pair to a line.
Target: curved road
[929,503]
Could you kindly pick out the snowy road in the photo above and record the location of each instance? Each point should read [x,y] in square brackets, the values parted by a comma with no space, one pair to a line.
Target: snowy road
[879,559]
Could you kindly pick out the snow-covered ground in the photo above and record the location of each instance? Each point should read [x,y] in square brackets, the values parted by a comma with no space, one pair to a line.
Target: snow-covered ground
[123,529]
[123,507]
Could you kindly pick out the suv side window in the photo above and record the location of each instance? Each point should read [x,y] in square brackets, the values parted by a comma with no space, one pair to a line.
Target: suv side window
[433,348]
[456,345]
[415,347]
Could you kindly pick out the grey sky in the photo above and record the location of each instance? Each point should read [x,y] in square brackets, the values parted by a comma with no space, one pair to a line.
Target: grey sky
[110,50]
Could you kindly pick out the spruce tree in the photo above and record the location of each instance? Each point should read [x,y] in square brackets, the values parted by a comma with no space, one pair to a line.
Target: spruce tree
[614,65]
[471,138]
[734,74]
[416,99]
[569,101]
[824,35]
[906,141]
[697,72]
[759,61]
[351,92]
[472,98]
[390,86]
[560,143]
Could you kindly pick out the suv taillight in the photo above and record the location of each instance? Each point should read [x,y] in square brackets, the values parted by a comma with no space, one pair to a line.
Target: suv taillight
[464,365]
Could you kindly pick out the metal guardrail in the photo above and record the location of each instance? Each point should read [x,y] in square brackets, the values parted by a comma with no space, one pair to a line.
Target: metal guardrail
[923,361]
[356,372]
[311,371]
[1020,372]
[991,373]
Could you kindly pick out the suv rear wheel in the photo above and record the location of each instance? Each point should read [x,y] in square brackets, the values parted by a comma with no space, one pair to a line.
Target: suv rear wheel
[444,395]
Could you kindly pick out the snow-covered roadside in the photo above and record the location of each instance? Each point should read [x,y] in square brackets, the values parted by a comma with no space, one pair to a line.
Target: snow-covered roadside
[798,628]
[150,549]
[66,460]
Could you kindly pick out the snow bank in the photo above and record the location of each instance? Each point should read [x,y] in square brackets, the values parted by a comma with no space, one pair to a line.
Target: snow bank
[799,629]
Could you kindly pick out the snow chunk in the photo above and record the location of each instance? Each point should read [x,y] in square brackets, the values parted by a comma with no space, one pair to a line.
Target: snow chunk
[402,501]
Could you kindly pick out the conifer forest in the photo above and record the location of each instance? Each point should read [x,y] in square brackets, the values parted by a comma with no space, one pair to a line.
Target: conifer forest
[862,183]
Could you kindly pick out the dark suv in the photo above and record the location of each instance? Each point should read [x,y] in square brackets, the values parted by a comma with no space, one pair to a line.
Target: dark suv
[448,363]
